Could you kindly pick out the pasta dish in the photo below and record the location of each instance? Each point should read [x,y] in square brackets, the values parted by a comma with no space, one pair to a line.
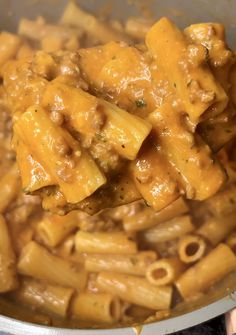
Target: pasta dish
[118,169]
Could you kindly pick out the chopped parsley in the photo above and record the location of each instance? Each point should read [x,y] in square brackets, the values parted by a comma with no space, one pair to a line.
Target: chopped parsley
[141,103]
[133,260]
[101,137]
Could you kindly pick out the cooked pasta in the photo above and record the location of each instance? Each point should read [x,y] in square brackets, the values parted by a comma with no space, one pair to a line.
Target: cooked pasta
[8,275]
[134,264]
[125,287]
[169,230]
[197,280]
[10,186]
[52,141]
[53,229]
[108,135]
[198,94]
[131,150]
[96,307]
[104,242]
[9,45]
[52,268]
[191,248]
[147,217]
[216,230]
[54,299]
[164,271]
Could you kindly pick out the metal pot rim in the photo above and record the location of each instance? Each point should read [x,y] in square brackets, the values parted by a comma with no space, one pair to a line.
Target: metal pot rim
[163,327]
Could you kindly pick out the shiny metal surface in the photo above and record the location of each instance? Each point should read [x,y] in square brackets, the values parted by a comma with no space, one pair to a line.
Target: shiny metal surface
[159,328]
[220,299]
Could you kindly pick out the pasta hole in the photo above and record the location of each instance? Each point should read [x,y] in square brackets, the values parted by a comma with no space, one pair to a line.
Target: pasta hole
[115,309]
[192,249]
[233,247]
[159,273]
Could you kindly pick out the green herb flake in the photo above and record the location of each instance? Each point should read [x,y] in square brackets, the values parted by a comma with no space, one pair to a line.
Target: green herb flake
[141,103]
[133,260]
[101,137]
[207,55]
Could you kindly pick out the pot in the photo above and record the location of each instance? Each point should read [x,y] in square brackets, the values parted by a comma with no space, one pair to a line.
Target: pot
[220,299]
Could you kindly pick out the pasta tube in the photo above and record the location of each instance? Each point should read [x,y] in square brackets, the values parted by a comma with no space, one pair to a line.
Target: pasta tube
[223,202]
[231,242]
[135,290]
[33,175]
[77,176]
[212,268]
[137,27]
[105,68]
[134,264]
[202,175]
[219,130]
[67,248]
[104,243]
[75,16]
[169,230]
[220,58]
[96,307]
[9,45]
[186,70]
[8,277]
[10,186]
[164,271]
[216,230]
[53,299]
[89,115]
[25,51]
[22,237]
[36,30]
[53,229]
[52,269]
[191,248]
[154,178]
[147,218]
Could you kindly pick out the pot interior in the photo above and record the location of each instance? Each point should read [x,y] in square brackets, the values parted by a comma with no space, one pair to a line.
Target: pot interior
[183,12]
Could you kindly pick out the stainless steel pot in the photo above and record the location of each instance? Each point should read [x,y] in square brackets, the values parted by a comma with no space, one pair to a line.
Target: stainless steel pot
[20,321]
